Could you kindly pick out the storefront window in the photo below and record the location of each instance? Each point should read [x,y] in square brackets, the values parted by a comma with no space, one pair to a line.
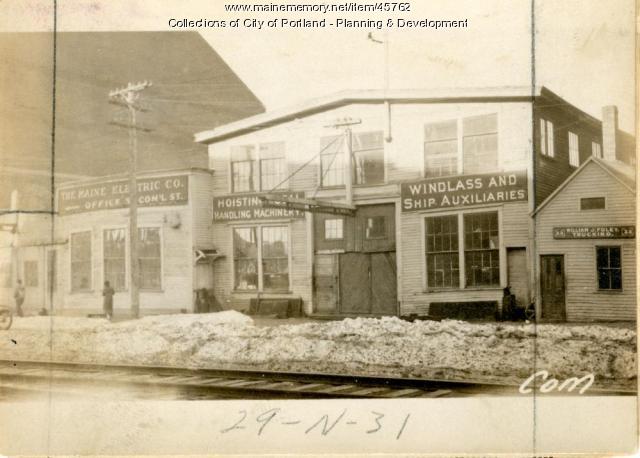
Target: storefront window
[245,257]
[481,255]
[31,274]
[149,258]
[275,258]
[80,261]
[114,241]
[609,267]
[441,149]
[443,263]
[480,144]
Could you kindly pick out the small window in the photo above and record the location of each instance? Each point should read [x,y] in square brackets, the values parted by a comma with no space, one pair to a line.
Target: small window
[333,229]
[592,203]
[376,227]
[547,142]
[574,150]
[609,267]
[596,149]
[31,273]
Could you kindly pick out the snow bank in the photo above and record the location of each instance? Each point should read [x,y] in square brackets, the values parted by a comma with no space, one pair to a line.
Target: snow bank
[386,346]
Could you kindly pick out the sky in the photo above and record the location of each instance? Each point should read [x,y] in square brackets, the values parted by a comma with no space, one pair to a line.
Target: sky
[584,49]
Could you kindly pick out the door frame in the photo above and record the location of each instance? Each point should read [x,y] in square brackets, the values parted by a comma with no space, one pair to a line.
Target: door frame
[564,284]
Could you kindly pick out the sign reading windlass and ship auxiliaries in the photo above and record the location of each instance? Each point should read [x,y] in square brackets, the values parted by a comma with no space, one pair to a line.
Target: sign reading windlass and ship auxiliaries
[464,190]
[594,232]
[152,192]
[242,207]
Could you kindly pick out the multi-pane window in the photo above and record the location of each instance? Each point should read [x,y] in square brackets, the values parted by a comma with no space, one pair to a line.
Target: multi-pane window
[441,149]
[596,149]
[574,150]
[334,229]
[114,261]
[442,252]
[609,267]
[275,258]
[368,157]
[272,165]
[245,257]
[261,258]
[332,161]
[481,255]
[243,164]
[480,143]
[149,258]
[31,273]
[81,261]
[547,142]
[592,203]
[375,227]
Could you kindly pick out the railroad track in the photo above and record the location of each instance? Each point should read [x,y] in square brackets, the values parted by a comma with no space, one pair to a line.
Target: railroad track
[263,383]
[236,383]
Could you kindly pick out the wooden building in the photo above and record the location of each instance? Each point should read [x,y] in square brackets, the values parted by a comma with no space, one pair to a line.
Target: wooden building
[64,261]
[442,186]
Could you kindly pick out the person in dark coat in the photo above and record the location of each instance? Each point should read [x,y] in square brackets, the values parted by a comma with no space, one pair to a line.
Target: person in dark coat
[107,303]
[19,295]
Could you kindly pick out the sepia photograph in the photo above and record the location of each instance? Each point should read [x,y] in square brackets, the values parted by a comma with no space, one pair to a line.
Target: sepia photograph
[304,227]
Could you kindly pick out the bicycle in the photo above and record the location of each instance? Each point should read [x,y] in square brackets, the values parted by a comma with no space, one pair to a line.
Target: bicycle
[6,318]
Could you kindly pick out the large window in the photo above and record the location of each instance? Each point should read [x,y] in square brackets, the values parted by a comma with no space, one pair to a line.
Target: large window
[261,171]
[443,265]
[474,139]
[149,258]
[31,274]
[441,149]
[547,142]
[114,262]
[480,144]
[81,274]
[261,258]
[368,159]
[480,254]
[574,150]
[609,266]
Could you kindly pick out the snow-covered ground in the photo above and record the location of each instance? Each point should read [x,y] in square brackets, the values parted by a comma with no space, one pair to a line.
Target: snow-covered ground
[387,346]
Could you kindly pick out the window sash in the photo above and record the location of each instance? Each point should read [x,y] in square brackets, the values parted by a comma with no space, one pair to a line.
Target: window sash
[481,253]
[441,148]
[609,268]
[574,150]
[245,258]
[547,142]
[261,258]
[596,149]
[149,258]
[114,257]
[80,265]
[334,229]
[442,255]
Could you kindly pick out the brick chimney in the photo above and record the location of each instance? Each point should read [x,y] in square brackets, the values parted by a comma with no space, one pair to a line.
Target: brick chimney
[609,132]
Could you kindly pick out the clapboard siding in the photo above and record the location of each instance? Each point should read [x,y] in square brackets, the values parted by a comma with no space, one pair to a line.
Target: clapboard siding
[583,300]
[201,195]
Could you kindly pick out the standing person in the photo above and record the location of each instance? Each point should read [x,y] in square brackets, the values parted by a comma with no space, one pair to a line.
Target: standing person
[19,295]
[107,303]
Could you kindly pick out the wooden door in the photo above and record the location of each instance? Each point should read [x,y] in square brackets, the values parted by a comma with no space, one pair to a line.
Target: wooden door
[552,287]
[355,281]
[325,280]
[384,296]
[517,274]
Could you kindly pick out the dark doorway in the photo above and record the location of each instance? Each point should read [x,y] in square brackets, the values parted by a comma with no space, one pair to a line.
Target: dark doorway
[552,287]
[325,277]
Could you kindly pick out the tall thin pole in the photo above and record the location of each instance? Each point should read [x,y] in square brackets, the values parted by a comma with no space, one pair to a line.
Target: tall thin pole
[127,97]
[348,167]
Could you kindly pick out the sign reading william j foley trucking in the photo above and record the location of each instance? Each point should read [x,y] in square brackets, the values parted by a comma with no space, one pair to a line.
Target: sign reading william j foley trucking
[243,207]
[152,192]
[464,190]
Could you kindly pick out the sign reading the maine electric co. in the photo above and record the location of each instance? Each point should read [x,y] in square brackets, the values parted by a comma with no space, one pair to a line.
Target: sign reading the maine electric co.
[152,192]
[250,207]
[464,190]
[594,232]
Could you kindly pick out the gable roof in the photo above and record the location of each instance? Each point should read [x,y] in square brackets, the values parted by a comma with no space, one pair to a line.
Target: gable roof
[620,171]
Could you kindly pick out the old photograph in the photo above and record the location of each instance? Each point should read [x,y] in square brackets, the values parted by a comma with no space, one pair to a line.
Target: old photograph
[379,216]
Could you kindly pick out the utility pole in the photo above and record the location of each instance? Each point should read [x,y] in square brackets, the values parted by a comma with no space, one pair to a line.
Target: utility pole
[348,155]
[127,97]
